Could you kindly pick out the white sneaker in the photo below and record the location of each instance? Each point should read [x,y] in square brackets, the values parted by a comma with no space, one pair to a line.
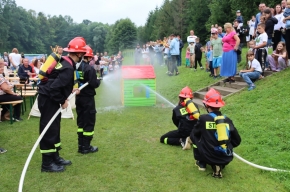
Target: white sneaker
[187,144]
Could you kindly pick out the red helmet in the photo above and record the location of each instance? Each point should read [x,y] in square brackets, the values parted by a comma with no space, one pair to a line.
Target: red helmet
[213,98]
[89,52]
[76,45]
[186,92]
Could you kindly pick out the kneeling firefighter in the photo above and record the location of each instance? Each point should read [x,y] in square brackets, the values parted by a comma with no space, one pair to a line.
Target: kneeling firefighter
[184,117]
[85,104]
[53,93]
[214,136]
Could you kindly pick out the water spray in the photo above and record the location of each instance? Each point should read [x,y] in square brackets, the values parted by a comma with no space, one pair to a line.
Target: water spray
[39,139]
[235,155]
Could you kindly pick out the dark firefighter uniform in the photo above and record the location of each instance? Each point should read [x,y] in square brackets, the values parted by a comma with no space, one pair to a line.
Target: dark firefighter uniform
[85,106]
[204,140]
[52,94]
[180,119]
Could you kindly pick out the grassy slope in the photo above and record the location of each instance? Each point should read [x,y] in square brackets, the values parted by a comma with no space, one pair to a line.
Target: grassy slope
[131,157]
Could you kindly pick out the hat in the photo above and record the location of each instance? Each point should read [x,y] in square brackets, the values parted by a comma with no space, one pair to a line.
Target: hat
[213,30]
[238,11]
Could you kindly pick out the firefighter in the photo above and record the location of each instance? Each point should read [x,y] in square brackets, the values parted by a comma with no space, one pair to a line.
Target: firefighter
[85,104]
[214,136]
[184,117]
[53,93]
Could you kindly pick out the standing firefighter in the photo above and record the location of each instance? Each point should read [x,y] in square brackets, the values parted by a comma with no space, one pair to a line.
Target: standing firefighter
[184,117]
[53,93]
[85,104]
[214,136]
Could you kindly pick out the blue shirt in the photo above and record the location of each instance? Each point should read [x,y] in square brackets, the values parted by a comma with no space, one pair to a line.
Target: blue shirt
[240,19]
[209,55]
[221,35]
[286,12]
[257,20]
[174,47]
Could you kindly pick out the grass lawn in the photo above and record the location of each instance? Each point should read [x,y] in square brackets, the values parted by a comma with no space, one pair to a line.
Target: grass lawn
[130,157]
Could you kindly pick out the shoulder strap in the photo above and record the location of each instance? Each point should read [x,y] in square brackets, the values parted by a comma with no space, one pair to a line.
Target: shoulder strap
[212,114]
[67,59]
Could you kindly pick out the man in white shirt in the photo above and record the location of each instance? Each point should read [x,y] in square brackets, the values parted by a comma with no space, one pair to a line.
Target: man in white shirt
[15,59]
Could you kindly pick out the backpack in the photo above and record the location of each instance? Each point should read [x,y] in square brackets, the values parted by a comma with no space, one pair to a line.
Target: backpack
[222,135]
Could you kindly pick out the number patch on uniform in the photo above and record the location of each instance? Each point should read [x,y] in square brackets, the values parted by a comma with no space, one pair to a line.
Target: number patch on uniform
[210,125]
[183,111]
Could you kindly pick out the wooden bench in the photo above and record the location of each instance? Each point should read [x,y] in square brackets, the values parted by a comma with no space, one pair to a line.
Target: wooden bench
[31,95]
[11,104]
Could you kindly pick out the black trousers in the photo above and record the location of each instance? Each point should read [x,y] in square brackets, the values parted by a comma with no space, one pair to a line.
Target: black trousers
[101,72]
[86,114]
[277,38]
[17,108]
[199,62]
[173,137]
[261,56]
[211,67]
[51,140]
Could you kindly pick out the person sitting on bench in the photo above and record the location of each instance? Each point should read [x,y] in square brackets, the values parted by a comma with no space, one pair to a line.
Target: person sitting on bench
[6,95]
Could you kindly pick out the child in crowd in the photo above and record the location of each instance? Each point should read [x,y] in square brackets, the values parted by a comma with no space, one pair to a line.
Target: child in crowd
[191,47]
[251,46]
[217,47]
[198,54]
[102,66]
[106,69]
[261,46]
[278,59]
[253,71]
[111,67]
[286,14]
[187,58]
[113,59]
[208,46]
[209,57]
[118,58]
[239,18]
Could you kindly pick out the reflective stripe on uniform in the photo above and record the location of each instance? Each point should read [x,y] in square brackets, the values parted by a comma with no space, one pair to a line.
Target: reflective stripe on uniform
[57,144]
[80,130]
[88,133]
[194,146]
[165,140]
[48,151]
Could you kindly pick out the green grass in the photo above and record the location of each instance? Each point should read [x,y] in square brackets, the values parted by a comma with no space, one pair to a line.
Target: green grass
[132,159]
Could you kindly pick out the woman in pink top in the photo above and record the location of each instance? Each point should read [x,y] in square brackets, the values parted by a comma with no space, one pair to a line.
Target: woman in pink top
[231,43]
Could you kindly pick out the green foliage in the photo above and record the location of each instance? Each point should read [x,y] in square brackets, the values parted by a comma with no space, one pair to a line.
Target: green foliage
[123,35]
[33,32]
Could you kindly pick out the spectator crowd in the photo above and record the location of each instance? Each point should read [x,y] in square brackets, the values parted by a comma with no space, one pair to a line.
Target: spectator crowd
[269,28]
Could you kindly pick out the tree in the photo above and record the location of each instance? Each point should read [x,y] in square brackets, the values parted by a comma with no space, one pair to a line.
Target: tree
[122,36]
